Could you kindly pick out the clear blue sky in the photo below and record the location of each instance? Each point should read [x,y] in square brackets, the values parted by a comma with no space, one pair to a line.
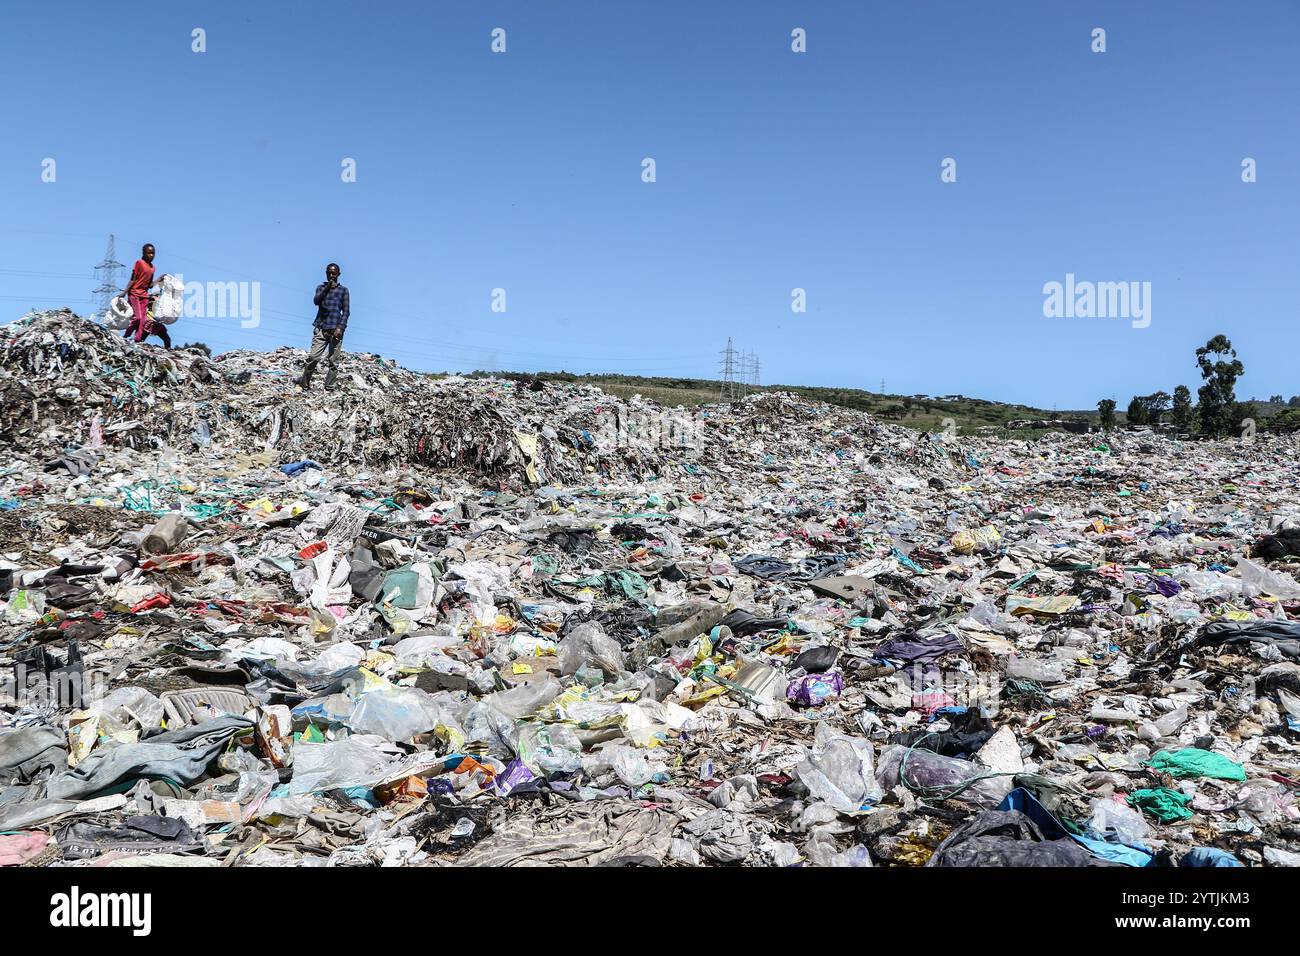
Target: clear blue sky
[775,171]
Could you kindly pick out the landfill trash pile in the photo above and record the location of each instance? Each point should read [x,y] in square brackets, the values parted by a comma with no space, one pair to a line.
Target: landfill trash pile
[466,622]
[64,380]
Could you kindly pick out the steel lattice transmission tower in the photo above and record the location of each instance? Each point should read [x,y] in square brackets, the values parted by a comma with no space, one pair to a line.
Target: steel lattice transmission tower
[730,392]
[748,372]
[106,273]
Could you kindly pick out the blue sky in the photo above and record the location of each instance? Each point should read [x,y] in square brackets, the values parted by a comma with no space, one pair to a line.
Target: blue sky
[775,170]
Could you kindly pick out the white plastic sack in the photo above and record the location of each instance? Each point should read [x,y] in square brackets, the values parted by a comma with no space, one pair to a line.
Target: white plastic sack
[395,713]
[129,705]
[330,586]
[424,650]
[940,776]
[337,657]
[167,307]
[589,644]
[525,699]
[340,763]
[1257,579]
[1113,819]
[839,770]
[119,314]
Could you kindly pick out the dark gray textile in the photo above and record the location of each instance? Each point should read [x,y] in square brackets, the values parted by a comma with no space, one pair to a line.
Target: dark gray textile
[1007,838]
[26,752]
[178,755]
[1284,635]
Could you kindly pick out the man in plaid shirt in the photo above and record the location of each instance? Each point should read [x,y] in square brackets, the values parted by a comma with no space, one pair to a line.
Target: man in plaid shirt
[332,310]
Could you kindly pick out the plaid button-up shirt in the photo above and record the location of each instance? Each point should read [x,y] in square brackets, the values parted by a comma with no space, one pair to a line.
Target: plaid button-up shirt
[332,307]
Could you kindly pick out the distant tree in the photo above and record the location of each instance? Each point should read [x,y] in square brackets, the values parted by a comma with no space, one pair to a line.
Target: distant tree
[1182,410]
[1157,405]
[1286,421]
[1220,368]
[1277,400]
[1240,412]
[201,346]
[1137,411]
[1293,401]
[1106,408]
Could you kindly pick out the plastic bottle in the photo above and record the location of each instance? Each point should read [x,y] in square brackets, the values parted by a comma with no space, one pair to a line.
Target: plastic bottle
[166,536]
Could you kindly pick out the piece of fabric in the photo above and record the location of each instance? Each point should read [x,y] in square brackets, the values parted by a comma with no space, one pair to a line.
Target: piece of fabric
[912,648]
[1007,838]
[577,834]
[1208,856]
[138,834]
[1053,829]
[1191,762]
[26,752]
[365,577]
[743,623]
[1162,803]
[774,569]
[333,307]
[16,849]
[181,756]
[720,837]
[967,733]
[294,467]
[21,816]
[1274,547]
[1284,635]
[77,462]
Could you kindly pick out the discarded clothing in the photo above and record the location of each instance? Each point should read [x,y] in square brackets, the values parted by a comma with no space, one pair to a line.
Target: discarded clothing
[138,834]
[181,756]
[918,648]
[1191,762]
[25,752]
[1162,803]
[1007,838]
[1284,635]
[19,848]
[774,569]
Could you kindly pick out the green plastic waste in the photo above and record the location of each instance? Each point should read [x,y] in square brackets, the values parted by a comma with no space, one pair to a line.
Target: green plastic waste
[630,583]
[1162,803]
[1191,762]
[401,587]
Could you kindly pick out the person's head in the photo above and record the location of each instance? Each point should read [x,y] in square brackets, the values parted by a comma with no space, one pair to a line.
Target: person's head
[147,252]
[332,271]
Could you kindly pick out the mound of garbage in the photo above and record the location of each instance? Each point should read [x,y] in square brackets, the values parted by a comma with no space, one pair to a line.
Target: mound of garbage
[67,380]
[428,620]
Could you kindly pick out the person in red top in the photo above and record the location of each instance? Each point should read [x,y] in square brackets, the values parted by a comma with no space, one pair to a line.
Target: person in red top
[137,293]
